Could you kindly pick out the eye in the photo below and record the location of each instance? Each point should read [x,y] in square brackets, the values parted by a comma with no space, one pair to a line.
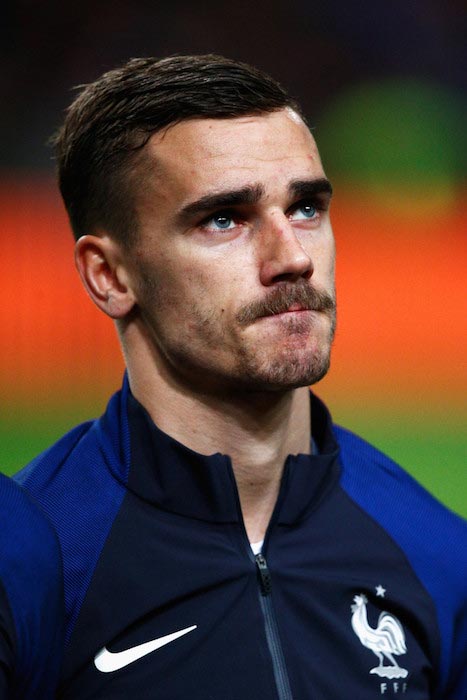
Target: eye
[304,211]
[222,221]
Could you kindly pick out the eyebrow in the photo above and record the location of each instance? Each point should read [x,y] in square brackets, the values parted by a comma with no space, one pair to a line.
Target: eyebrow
[301,189]
[251,194]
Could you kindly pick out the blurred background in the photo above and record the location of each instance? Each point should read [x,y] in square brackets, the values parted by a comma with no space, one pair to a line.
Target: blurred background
[382,85]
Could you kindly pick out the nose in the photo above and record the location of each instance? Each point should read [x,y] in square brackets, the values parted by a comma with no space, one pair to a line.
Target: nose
[281,252]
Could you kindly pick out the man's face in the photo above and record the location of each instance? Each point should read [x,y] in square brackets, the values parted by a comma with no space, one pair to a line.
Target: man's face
[234,264]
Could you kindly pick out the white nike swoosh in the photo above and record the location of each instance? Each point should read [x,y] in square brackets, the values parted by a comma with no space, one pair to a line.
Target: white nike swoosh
[108,661]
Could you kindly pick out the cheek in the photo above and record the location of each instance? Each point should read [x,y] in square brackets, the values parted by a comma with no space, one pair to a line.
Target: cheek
[324,262]
[191,286]
[193,298]
[332,264]
[329,254]
[160,295]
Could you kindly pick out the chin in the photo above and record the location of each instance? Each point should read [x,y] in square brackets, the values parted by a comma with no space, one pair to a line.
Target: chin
[293,377]
[278,363]
[287,373]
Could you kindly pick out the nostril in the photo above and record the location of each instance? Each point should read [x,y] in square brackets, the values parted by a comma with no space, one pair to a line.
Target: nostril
[292,276]
[274,271]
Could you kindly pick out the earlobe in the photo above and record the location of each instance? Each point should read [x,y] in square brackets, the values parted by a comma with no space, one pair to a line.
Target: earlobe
[99,264]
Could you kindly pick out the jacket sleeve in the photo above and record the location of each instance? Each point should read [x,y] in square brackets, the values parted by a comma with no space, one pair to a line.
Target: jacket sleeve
[457,685]
[31,599]
[7,645]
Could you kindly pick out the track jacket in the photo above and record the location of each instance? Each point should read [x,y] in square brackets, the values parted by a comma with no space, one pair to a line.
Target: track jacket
[359,592]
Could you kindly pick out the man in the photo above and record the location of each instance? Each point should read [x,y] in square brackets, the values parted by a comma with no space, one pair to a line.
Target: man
[31,599]
[221,538]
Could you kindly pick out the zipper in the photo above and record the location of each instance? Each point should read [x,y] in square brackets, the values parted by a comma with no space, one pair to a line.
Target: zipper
[272,633]
[281,676]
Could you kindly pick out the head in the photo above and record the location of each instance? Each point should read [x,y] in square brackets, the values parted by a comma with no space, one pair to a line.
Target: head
[200,207]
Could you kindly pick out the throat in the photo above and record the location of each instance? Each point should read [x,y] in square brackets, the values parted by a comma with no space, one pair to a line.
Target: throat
[259,483]
[257,509]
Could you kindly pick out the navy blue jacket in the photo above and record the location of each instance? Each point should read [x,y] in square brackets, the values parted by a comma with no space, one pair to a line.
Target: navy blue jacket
[31,599]
[360,590]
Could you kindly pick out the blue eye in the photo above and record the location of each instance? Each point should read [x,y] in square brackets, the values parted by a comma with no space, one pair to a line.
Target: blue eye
[304,211]
[222,221]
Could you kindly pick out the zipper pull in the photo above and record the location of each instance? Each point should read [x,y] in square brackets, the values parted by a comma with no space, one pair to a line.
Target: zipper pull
[264,575]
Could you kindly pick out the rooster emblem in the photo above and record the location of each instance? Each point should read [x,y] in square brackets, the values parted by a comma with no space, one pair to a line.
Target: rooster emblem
[386,640]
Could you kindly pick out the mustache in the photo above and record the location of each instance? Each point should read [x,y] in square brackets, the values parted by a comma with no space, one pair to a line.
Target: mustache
[281,299]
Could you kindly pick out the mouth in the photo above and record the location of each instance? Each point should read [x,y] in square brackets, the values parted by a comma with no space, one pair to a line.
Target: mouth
[291,309]
[286,301]
[296,313]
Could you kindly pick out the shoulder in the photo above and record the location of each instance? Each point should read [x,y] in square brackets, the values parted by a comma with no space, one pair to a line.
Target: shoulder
[25,535]
[77,478]
[39,471]
[80,484]
[32,594]
[72,460]
[433,538]
[417,520]
[385,489]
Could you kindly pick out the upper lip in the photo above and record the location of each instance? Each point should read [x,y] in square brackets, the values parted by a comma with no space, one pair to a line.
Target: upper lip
[288,309]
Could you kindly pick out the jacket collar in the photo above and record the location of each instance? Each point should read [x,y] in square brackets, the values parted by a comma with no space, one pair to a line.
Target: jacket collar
[164,472]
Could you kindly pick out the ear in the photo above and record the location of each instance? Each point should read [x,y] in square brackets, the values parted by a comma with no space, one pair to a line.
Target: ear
[100,265]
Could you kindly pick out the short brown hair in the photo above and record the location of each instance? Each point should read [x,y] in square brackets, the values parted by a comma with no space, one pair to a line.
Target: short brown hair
[99,146]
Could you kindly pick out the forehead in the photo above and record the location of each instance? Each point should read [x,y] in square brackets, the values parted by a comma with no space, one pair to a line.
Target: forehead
[200,155]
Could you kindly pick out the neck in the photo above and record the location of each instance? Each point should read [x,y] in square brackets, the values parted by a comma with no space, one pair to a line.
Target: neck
[258,430]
